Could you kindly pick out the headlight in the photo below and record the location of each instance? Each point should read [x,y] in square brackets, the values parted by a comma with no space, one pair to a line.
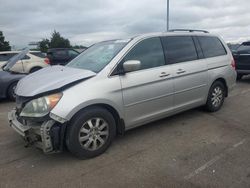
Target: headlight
[41,106]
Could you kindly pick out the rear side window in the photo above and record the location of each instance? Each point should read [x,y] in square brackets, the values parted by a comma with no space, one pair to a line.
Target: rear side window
[149,52]
[179,49]
[38,54]
[25,57]
[211,46]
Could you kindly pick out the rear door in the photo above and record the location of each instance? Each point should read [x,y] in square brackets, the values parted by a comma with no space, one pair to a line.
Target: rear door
[148,92]
[189,71]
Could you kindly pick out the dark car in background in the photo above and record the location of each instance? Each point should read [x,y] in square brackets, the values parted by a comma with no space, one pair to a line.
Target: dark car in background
[61,56]
[242,59]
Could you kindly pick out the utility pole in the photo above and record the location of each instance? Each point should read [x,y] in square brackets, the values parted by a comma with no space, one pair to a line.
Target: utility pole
[167,15]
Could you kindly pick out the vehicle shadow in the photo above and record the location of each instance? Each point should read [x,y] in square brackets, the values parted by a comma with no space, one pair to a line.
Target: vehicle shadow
[5,100]
[245,79]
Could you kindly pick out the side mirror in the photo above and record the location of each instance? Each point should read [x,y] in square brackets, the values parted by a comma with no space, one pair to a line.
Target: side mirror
[131,65]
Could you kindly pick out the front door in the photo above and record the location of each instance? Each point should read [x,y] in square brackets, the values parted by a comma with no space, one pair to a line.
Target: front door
[148,92]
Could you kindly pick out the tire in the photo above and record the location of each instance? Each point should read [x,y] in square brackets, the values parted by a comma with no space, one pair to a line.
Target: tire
[11,91]
[35,69]
[216,96]
[239,76]
[83,134]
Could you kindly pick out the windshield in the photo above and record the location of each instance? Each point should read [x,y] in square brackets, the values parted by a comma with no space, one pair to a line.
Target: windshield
[98,56]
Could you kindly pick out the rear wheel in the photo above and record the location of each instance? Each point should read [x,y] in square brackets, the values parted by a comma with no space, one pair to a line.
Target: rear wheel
[11,91]
[216,96]
[91,132]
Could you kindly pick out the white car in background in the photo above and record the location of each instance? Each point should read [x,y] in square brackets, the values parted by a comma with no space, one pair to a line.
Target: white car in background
[33,61]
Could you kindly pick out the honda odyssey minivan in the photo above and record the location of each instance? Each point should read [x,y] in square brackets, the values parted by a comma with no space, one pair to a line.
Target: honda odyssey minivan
[117,85]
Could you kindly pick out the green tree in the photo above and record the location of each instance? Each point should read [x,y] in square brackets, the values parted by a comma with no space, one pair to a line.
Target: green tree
[44,45]
[4,45]
[56,41]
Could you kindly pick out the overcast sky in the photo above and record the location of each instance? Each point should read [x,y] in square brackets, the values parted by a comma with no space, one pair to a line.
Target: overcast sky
[89,21]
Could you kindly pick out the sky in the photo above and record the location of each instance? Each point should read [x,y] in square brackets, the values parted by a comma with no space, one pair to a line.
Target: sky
[90,21]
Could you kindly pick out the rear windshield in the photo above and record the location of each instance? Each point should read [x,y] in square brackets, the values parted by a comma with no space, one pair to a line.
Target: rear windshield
[7,56]
[38,54]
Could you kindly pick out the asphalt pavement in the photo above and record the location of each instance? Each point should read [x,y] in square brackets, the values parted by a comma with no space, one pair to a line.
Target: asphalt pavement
[191,149]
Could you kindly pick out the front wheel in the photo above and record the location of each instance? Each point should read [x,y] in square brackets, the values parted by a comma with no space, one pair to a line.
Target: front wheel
[91,132]
[216,96]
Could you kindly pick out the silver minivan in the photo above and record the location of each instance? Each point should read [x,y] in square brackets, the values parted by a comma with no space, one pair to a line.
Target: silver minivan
[117,85]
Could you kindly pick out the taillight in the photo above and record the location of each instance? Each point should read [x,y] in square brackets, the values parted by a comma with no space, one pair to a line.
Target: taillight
[46,60]
[233,63]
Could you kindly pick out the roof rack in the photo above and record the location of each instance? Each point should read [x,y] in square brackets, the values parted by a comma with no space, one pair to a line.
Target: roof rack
[189,30]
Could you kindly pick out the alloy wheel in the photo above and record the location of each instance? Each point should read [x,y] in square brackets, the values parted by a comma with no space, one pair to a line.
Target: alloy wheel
[217,96]
[93,134]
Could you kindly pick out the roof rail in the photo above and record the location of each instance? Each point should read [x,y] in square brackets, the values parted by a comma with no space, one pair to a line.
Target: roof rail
[189,30]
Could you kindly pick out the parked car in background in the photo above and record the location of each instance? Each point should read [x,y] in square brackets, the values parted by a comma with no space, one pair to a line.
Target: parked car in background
[31,62]
[61,56]
[117,85]
[9,78]
[242,59]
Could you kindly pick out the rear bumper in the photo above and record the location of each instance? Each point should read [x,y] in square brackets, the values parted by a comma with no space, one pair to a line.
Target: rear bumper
[46,135]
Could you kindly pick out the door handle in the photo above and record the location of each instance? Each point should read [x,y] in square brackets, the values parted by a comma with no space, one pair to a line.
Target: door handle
[164,74]
[180,71]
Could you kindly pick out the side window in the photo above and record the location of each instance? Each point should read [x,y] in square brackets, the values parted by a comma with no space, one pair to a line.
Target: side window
[7,56]
[26,57]
[211,46]
[179,49]
[4,57]
[149,52]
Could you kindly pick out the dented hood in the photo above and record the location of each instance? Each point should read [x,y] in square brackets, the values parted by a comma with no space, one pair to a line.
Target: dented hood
[49,79]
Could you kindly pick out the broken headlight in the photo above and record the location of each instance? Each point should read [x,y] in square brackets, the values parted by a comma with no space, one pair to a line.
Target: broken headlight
[41,106]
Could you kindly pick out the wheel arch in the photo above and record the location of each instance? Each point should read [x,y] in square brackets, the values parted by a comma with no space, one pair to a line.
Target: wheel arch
[222,80]
[8,86]
[34,67]
[120,125]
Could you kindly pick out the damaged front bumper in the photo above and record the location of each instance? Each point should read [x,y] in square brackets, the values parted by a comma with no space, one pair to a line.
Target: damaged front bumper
[47,135]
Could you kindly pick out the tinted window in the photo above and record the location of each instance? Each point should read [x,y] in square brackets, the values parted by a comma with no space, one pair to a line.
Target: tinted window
[179,49]
[243,48]
[25,57]
[60,54]
[149,52]
[7,56]
[73,53]
[211,46]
